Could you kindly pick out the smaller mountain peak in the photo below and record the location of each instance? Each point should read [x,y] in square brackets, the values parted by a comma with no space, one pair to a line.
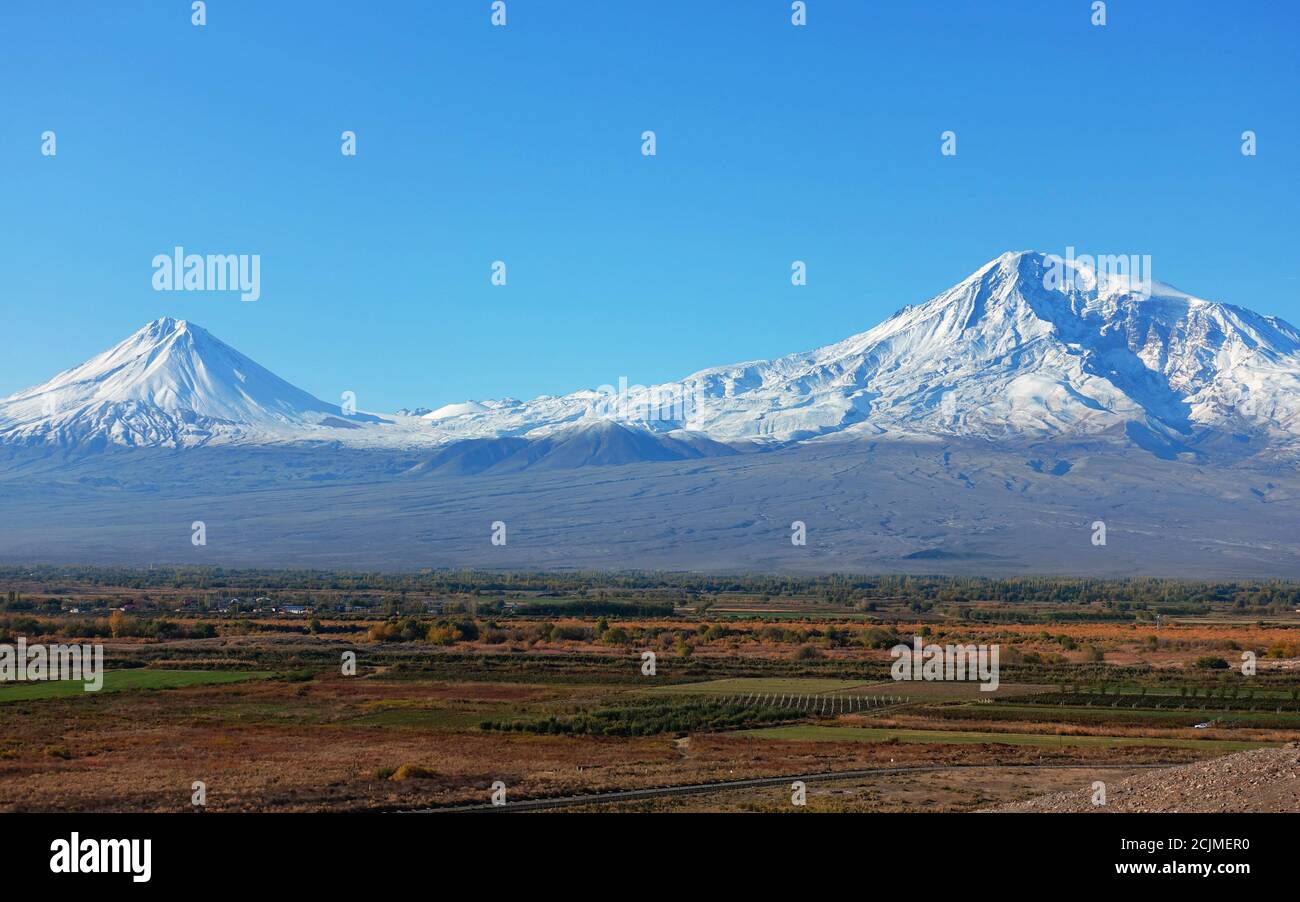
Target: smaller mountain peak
[170,330]
[166,325]
[455,410]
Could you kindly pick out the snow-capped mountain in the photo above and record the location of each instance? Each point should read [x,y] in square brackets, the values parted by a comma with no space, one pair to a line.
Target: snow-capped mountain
[171,384]
[1008,353]
[1001,354]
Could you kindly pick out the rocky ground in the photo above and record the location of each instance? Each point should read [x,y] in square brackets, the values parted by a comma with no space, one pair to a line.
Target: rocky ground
[1254,781]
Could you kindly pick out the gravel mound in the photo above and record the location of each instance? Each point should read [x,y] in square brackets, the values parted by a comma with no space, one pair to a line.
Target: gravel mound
[1259,780]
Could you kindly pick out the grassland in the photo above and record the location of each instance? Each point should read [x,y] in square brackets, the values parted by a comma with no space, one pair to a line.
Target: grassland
[765,686]
[814,733]
[126,680]
[542,688]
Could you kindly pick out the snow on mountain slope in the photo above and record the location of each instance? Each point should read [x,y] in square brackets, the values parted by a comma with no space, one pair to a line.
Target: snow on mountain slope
[1007,353]
[455,410]
[171,384]
[998,355]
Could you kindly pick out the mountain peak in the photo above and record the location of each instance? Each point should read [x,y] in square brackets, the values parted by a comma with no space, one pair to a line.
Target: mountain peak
[169,383]
[166,325]
[1029,346]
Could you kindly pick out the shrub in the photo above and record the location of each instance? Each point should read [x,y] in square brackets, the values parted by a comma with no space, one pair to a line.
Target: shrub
[413,772]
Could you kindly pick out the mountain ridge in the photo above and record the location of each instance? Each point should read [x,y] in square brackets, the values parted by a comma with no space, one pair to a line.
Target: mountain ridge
[1005,354]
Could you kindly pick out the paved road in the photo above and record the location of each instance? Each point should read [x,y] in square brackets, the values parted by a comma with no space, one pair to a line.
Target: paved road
[632,795]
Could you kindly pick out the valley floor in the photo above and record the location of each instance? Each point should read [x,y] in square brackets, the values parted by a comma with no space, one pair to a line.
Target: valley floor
[749,694]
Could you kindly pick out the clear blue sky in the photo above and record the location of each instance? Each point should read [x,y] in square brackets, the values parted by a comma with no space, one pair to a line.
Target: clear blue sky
[522,143]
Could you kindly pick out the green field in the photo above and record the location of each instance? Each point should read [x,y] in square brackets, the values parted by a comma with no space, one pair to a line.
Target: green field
[408,717]
[916,692]
[812,733]
[1172,692]
[738,685]
[123,680]
[1083,715]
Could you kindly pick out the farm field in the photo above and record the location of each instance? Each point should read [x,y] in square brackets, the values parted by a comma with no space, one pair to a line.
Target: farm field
[954,789]
[815,733]
[123,680]
[375,700]
[1084,716]
[766,686]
